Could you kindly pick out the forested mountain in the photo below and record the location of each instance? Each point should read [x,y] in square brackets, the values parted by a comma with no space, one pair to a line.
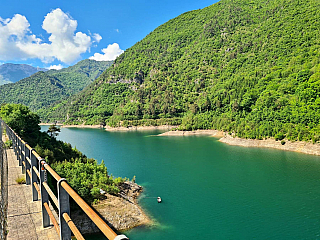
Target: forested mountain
[245,66]
[10,73]
[45,88]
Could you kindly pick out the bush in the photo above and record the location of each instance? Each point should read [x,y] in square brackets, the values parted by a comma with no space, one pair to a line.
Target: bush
[21,180]
[8,144]
[279,136]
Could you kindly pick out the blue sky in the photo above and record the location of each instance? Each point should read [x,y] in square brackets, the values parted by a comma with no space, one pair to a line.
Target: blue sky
[60,33]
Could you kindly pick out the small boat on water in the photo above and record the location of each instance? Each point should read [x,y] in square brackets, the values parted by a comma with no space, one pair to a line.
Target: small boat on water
[159,199]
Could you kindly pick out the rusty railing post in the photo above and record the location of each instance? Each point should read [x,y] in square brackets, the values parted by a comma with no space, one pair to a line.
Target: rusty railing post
[44,194]
[64,207]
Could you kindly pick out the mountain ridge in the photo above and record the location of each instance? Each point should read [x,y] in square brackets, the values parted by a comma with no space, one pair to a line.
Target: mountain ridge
[11,72]
[44,88]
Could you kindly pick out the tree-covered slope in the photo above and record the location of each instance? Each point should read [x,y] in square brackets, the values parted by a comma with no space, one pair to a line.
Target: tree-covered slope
[10,72]
[45,88]
[36,91]
[80,75]
[249,67]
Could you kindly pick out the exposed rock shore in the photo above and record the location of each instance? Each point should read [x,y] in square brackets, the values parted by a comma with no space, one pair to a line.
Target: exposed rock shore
[299,146]
[139,128]
[214,133]
[114,129]
[121,212]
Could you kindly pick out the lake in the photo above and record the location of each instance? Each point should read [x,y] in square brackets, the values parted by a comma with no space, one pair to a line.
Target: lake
[210,190]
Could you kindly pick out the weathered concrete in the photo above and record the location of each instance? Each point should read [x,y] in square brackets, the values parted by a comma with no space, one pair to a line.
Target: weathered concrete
[24,215]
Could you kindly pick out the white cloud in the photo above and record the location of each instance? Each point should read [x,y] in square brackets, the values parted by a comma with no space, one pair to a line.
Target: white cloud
[96,37]
[110,53]
[55,67]
[65,44]
[117,30]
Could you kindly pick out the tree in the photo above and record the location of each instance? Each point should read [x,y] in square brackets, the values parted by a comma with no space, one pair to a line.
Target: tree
[24,122]
[53,130]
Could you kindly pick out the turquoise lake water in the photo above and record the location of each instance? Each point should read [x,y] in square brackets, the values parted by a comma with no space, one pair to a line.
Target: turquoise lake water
[210,190]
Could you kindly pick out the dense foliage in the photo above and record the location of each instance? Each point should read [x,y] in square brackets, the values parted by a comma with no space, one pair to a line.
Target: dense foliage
[22,121]
[85,175]
[247,67]
[44,88]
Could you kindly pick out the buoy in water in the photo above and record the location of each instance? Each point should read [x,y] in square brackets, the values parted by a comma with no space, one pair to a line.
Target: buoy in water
[159,199]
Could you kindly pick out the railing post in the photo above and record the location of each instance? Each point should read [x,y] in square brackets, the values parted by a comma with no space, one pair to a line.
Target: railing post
[14,138]
[16,141]
[23,157]
[27,154]
[19,151]
[64,207]
[44,194]
[34,177]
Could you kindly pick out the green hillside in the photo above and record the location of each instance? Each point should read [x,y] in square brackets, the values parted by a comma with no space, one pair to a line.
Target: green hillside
[36,91]
[248,67]
[80,75]
[45,88]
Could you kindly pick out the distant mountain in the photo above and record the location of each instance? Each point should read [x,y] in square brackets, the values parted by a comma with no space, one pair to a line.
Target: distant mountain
[249,67]
[11,73]
[44,88]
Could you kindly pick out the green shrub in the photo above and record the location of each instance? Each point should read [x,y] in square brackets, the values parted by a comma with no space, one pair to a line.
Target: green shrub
[8,144]
[20,180]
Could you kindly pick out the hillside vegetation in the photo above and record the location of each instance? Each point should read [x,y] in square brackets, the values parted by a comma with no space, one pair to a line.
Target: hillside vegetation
[45,88]
[248,67]
[84,174]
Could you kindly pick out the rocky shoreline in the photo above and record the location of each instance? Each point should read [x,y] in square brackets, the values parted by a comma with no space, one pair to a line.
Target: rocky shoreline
[115,129]
[298,146]
[213,133]
[139,128]
[120,212]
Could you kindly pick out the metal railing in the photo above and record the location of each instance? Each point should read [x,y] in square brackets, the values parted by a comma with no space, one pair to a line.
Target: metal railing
[4,188]
[36,169]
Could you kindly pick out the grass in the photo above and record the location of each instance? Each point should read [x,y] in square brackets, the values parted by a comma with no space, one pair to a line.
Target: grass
[21,180]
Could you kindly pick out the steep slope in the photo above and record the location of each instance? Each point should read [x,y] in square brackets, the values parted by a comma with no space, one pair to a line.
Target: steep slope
[248,67]
[10,73]
[42,89]
[80,75]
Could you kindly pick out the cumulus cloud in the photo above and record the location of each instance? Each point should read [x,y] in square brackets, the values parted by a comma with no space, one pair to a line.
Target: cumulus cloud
[55,67]
[109,53]
[64,43]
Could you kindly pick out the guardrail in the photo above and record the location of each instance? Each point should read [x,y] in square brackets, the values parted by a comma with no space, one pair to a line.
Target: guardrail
[36,169]
[3,188]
